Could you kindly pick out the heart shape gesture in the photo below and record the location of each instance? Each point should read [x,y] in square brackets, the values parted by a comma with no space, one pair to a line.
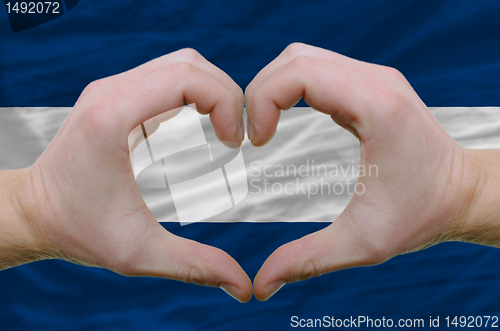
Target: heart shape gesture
[80,202]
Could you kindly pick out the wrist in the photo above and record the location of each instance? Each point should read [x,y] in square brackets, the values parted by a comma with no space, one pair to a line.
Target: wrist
[19,244]
[480,219]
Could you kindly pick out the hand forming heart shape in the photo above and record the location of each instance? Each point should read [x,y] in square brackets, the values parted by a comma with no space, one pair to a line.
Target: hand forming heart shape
[79,201]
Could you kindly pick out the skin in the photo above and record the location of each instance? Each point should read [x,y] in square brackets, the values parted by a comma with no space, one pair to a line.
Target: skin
[428,190]
[79,201]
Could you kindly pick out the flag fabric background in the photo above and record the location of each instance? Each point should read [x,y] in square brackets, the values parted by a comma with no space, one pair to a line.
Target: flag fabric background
[448,50]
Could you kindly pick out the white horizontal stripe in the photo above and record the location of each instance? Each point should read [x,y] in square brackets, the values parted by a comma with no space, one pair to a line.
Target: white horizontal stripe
[303,134]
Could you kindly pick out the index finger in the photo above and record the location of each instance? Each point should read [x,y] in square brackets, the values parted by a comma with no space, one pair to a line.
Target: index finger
[183,55]
[326,87]
[117,113]
[295,50]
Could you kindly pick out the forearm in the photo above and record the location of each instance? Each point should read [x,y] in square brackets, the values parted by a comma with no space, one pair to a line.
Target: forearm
[481,224]
[17,242]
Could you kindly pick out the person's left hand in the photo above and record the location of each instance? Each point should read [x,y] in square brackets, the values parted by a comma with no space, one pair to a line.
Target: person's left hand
[426,184]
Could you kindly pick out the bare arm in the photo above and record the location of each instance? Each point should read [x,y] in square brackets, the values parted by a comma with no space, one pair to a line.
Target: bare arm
[18,244]
[428,189]
[481,223]
[80,202]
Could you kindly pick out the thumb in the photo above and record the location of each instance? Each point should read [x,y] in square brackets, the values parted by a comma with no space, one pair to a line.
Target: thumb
[335,247]
[165,255]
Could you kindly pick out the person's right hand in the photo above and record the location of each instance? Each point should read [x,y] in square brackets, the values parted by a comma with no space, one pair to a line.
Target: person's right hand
[80,202]
[426,186]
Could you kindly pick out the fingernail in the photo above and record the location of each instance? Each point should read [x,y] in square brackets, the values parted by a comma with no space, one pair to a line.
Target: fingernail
[274,287]
[232,290]
[250,129]
[241,130]
[230,144]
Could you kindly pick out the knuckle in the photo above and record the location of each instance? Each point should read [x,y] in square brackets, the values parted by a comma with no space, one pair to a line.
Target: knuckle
[304,63]
[295,49]
[189,54]
[194,276]
[397,75]
[376,250]
[193,271]
[391,100]
[181,69]
[311,269]
[93,87]
[98,114]
[394,74]
[126,263]
[390,95]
